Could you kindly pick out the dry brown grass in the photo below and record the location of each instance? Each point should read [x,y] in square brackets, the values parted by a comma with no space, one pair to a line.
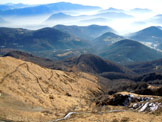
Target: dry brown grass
[30,93]
[36,87]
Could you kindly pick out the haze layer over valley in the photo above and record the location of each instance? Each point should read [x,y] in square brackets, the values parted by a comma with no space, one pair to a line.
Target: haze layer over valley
[124,21]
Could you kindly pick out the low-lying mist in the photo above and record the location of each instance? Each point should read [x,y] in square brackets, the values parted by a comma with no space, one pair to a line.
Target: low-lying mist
[124,22]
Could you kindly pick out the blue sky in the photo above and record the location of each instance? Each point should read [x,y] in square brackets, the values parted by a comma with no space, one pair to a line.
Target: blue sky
[122,4]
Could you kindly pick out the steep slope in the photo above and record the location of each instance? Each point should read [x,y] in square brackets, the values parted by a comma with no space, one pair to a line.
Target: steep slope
[129,51]
[29,92]
[85,32]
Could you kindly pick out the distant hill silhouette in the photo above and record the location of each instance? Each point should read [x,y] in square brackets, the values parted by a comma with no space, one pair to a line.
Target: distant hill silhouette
[59,16]
[85,32]
[113,15]
[140,10]
[46,9]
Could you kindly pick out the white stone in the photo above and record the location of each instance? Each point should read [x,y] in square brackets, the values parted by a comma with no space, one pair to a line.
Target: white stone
[144,107]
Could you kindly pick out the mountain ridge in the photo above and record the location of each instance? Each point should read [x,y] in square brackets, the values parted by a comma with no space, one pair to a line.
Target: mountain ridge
[46,9]
[84,32]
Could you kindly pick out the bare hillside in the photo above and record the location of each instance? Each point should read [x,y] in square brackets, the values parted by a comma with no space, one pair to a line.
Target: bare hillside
[30,90]
[30,93]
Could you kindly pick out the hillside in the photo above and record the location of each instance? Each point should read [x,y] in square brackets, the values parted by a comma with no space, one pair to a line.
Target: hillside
[84,63]
[147,67]
[129,51]
[31,58]
[32,93]
[151,34]
[29,90]
[45,39]
[85,32]
[107,39]
[94,64]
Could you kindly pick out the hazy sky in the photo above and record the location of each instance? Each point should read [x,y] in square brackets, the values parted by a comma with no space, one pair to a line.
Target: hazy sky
[122,4]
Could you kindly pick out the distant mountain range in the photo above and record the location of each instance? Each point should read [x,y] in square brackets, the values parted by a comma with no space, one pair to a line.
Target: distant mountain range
[112,10]
[59,16]
[85,32]
[112,15]
[60,42]
[140,10]
[10,6]
[129,51]
[45,9]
